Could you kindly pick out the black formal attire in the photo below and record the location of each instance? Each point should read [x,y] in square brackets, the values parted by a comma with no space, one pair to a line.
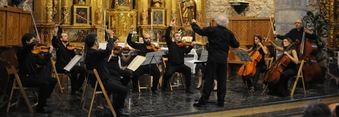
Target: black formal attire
[35,71]
[219,38]
[281,87]
[63,57]
[97,59]
[176,56]
[296,35]
[251,81]
[150,69]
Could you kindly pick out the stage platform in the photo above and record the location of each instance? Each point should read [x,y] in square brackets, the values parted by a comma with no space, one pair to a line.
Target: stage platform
[177,103]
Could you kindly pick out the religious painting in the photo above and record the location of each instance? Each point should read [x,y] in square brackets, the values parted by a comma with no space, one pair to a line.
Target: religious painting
[158,17]
[81,15]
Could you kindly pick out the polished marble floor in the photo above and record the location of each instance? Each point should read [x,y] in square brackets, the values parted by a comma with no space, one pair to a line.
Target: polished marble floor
[178,102]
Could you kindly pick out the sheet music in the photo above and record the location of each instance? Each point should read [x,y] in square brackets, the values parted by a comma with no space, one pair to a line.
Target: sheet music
[103,45]
[187,38]
[243,55]
[136,62]
[74,61]
[153,57]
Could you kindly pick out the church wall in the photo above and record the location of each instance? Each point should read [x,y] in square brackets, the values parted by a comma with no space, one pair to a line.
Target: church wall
[257,8]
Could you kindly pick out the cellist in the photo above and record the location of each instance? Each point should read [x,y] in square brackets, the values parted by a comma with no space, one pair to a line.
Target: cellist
[260,67]
[280,88]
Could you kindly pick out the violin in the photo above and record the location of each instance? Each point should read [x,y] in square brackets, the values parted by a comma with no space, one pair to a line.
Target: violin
[153,47]
[117,50]
[41,52]
[39,49]
[184,44]
[74,47]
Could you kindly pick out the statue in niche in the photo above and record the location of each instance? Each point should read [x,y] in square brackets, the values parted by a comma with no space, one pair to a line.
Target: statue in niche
[144,17]
[3,3]
[81,2]
[98,16]
[188,11]
[116,3]
[157,3]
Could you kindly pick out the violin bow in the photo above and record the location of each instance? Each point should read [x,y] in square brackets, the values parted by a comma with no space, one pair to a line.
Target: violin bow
[35,28]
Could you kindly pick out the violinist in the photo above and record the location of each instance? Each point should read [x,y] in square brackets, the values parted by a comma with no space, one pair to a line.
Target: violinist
[176,53]
[35,71]
[64,54]
[280,87]
[151,69]
[97,59]
[260,66]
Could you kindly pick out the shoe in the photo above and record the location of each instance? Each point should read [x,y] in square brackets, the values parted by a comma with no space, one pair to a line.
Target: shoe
[122,112]
[199,104]
[220,104]
[43,110]
[189,91]
[154,92]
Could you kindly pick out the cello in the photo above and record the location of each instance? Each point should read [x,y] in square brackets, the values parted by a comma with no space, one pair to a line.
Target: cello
[274,72]
[249,68]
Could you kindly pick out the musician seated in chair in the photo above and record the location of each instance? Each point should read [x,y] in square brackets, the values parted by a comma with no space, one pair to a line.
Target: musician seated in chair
[64,54]
[97,59]
[279,87]
[251,80]
[35,70]
[176,53]
[150,69]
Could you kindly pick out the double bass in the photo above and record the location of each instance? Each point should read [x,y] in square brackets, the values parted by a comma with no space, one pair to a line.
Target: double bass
[308,50]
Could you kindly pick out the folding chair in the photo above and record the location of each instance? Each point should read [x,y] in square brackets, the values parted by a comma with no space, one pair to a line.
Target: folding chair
[299,76]
[17,85]
[103,91]
[268,62]
[58,76]
[145,82]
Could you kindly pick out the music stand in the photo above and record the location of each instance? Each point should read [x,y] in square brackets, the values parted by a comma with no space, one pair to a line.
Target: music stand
[152,58]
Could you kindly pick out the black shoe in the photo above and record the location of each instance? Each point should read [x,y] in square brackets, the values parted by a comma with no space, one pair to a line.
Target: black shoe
[189,91]
[154,92]
[220,104]
[122,112]
[43,110]
[199,104]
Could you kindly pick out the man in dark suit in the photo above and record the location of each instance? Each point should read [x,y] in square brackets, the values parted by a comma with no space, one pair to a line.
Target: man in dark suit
[219,38]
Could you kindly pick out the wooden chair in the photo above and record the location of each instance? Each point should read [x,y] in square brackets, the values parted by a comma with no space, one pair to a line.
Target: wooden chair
[103,91]
[58,76]
[299,76]
[268,62]
[145,82]
[17,85]
[178,79]
[85,90]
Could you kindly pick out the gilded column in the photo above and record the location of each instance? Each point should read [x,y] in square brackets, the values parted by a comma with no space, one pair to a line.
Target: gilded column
[66,11]
[49,9]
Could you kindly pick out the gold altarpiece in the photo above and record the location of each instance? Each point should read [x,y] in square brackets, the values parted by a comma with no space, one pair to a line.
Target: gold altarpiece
[151,16]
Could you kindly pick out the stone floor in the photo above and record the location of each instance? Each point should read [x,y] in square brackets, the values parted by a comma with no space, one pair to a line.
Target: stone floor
[178,102]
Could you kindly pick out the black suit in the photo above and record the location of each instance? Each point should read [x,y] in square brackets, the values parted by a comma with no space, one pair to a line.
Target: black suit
[296,34]
[219,38]
[63,57]
[176,56]
[97,59]
[36,72]
[151,69]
